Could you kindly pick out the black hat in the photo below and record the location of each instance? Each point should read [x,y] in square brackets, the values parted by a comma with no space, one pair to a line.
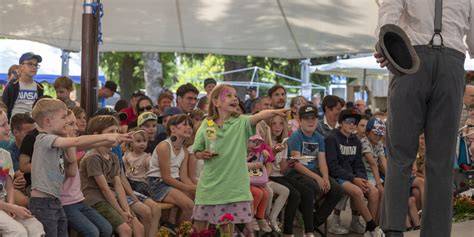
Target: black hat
[308,110]
[396,47]
[349,113]
[210,81]
[169,111]
[252,88]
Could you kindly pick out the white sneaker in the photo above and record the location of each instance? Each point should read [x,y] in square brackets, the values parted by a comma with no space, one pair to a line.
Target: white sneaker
[275,226]
[263,224]
[255,225]
[337,228]
[357,226]
[376,233]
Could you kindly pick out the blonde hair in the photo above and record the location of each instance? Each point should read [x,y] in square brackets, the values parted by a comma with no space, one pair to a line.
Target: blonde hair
[45,107]
[138,132]
[284,133]
[215,93]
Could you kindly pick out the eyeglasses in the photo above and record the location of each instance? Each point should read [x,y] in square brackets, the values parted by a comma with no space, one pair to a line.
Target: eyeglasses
[352,121]
[146,108]
[35,65]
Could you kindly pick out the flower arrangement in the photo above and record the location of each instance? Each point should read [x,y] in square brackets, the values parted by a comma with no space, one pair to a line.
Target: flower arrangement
[463,209]
[163,232]
[226,226]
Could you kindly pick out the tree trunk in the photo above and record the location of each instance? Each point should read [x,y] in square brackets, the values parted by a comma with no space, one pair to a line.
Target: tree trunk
[234,63]
[127,81]
[153,70]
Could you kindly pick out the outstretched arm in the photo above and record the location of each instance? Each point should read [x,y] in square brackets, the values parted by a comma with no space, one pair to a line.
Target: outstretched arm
[265,114]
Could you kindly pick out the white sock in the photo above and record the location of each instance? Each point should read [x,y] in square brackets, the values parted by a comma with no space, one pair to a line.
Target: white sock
[337,218]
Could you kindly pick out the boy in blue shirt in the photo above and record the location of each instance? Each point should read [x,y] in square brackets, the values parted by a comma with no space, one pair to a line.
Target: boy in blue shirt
[307,147]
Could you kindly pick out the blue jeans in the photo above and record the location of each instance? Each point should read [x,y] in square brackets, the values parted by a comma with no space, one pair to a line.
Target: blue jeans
[87,221]
[51,214]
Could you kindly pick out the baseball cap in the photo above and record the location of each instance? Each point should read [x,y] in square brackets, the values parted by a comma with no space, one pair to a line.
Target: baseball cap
[308,110]
[349,113]
[209,81]
[169,111]
[28,56]
[109,111]
[147,116]
[376,125]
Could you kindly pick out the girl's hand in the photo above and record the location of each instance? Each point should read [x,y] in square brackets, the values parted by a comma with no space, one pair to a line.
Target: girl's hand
[277,148]
[203,155]
[265,154]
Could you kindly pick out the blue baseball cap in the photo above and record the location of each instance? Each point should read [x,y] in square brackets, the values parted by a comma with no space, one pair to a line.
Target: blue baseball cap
[28,56]
[376,125]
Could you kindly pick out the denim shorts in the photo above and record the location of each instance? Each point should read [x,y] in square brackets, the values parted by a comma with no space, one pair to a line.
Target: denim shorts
[158,189]
[141,198]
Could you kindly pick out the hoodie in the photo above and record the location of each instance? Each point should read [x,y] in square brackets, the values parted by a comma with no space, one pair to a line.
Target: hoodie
[344,156]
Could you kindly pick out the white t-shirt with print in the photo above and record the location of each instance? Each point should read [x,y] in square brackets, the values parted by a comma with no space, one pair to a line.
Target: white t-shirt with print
[27,95]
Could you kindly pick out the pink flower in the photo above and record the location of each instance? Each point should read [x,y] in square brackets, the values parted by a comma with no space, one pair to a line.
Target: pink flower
[226,218]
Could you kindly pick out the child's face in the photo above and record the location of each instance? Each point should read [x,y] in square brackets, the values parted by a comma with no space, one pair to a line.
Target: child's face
[374,138]
[62,93]
[55,122]
[471,113]
[362,126]
[421,141]
[227,100]
[4,128]
[183,129]
[349,125]
[139,143]
[309,124]
[300,102]
[81,122]
[277,126]
[111,130]
[71,127]
[150,129]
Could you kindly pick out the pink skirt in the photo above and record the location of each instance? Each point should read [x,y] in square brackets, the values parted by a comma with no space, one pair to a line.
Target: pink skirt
[241,211]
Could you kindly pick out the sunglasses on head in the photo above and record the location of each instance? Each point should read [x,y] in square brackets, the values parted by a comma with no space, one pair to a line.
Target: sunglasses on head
[350,121]
[148,107]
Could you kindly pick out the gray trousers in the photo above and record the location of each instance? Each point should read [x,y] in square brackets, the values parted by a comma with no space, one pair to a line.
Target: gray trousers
[428,101]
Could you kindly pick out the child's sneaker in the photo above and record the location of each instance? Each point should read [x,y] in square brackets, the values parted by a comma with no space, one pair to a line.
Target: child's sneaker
[255,225]
[357,226]
[376,233]
[262,223]
[336,227]
[275,226]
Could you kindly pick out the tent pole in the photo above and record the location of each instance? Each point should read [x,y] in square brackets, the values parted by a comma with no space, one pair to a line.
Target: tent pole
[305,84]
[65,63]
[364,78]
[89,64]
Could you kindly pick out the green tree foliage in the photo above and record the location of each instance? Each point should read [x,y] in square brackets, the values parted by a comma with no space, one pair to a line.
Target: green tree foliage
[194,68]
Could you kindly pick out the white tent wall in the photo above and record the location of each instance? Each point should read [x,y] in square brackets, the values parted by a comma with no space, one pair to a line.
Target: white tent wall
[279,28]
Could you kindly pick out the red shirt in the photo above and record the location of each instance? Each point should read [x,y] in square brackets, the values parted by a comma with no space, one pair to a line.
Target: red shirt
[130,116]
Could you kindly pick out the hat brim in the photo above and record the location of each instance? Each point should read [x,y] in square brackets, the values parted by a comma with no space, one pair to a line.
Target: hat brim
[396,47]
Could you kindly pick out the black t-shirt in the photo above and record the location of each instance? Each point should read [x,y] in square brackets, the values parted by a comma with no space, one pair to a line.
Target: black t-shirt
[27,149]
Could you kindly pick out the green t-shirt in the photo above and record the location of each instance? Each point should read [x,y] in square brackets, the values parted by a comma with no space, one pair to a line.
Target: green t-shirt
[225,177]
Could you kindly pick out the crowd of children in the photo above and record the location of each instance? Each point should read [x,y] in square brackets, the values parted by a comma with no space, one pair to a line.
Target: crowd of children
[110,172]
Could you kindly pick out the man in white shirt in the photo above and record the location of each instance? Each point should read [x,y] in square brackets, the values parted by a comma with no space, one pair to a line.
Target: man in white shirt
[429,100]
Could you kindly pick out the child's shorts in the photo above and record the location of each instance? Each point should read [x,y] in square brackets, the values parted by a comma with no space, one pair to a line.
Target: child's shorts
[158,189]
[141,198]
[109,213]
[141,187]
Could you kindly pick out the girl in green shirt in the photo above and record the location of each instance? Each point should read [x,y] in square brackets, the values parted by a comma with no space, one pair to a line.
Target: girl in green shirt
[224,186]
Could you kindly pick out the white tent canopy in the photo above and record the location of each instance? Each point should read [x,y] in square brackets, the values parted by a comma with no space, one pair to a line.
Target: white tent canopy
[279,28]
[11,50]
